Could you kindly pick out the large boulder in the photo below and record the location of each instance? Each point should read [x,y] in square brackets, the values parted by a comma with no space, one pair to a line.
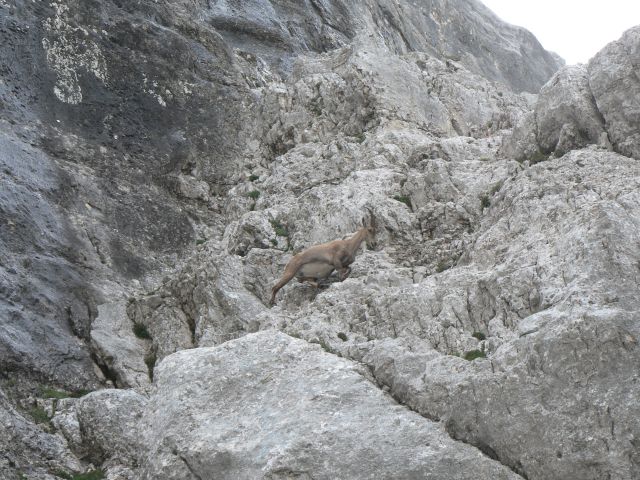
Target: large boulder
[271,406]
[613,77]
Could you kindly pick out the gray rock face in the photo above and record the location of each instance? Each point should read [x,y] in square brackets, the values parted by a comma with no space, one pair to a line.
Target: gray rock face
[613,77]
[582,106]
[566,113]
[166,160]
[270,406]
[461,30]
[29,451]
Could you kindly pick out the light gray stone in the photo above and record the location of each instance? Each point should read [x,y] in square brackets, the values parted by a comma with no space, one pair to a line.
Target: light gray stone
[271,406]
[613,78]
[117,347]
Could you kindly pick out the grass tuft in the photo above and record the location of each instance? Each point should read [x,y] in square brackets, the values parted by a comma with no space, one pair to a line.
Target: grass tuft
[140,331]
[485,202]
[92,475]
[38,415]
[280,229]
[403,199]
[254,194]
[473,354]
[150,360]
[55,394]
[479,335]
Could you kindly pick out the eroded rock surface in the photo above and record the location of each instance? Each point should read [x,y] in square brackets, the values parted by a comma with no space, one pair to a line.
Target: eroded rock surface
[167,159]
[304,413]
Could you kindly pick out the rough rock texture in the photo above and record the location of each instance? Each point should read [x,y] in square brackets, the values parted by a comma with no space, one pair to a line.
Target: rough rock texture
[119,351]
[166,159]
[579,106]
[103,425]
[613,77]
[27,450]
[303,413]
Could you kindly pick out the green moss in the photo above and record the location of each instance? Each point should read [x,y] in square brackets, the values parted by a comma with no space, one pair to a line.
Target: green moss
[38,415]
[254,194]
[56,394]
[479,335]
[442,266]
[140,331]
[473,354]
[61,474]
[280,230]
[404,199]
[92,475]
[538,157]
[342,336]
[325,346]
[253,178]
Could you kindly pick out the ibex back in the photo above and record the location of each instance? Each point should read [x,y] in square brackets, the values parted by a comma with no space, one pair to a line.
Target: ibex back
[318,262]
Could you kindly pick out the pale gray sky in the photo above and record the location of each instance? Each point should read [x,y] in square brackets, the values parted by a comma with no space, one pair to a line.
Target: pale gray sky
[574,29]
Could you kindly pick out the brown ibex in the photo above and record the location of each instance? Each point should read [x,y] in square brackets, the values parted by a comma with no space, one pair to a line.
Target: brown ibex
[318,262]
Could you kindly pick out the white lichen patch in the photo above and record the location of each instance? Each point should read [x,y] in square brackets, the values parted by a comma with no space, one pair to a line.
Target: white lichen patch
[70,50]
[152,88]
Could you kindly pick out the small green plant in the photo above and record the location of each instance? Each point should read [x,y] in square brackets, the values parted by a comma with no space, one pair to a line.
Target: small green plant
[253,178]
[61,474]
[325,346]
[403,199]
[485,202]
[200,241]
[473,354]
[442,266]
[280,230]
[91,475]
[537,157]
[342,336]
[479,335]
[55,394]
[38,415]
[274,242]
[150,361]
[254,194]
[140,331]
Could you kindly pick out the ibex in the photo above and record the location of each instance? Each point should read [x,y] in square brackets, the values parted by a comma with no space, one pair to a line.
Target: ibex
[318,262]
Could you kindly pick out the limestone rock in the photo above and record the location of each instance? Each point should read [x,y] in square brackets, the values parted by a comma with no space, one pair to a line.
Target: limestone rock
[27,450]
[117,347]
[566,114]
[613,78]
[109,421]
[270,406]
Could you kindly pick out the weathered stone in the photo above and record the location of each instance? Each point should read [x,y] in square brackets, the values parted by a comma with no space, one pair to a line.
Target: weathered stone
[270,406]
[118,349]
[613,78]
[566,114]
[27,450]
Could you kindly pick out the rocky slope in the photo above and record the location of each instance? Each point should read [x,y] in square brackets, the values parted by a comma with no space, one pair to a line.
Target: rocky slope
[167,158]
